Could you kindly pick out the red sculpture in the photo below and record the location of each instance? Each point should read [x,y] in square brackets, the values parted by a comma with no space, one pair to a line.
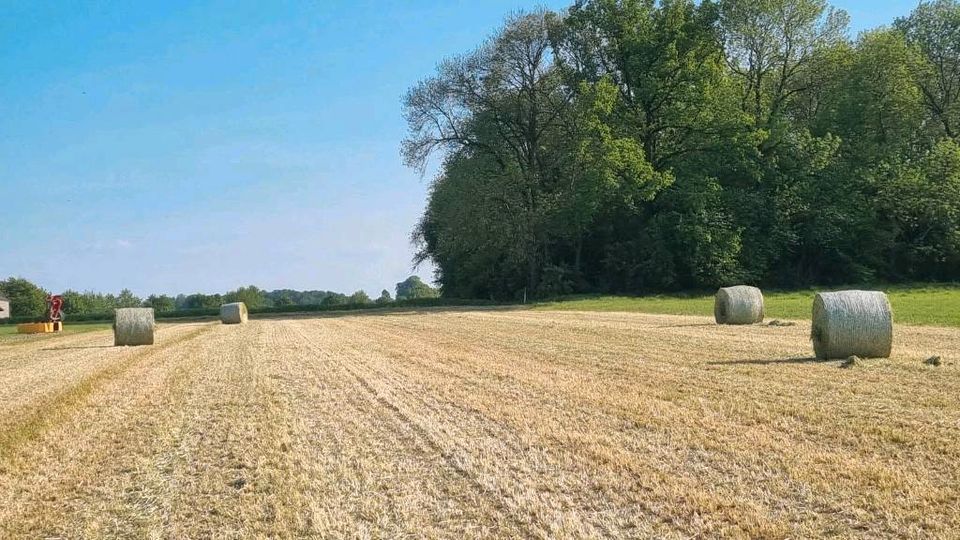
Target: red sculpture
[54,308]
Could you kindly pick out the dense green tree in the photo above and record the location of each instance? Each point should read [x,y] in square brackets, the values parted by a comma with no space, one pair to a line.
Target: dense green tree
[413,287]
[922,202]
[290,297]
[127,299]
[675,103]
[384,298]
[533,151]
[632,145]
[86,302]
[202,301]
[359,297]
[771,48]
[160,303]
[335,299]
[252,296]
[665,62]
[934,28]
[501,105]
[285,298]
[873,102]
[26,298]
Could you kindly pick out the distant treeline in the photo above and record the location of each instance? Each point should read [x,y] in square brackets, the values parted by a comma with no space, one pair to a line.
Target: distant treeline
[28,300]
[634,145]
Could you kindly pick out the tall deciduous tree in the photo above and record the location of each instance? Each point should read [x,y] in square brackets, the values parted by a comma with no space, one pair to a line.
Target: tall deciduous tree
[633,145]
[665,61]
[160,303]
[26,298]
[503,103]
[934,28]
[771,47]
[413,288]
[384,297]
[252,296]
[359,297]
[126,299]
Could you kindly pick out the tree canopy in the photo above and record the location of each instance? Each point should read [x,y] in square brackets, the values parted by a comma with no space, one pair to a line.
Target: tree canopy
[413,288]
[26,299]
[29,300]
[634,145]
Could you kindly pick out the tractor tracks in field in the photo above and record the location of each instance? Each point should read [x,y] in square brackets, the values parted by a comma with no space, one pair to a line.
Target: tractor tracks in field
[146,449]
[38,417]
[477,439]
[407,430]
[449,456]
[445,429]
[229,467]
[497,411]
[642,452]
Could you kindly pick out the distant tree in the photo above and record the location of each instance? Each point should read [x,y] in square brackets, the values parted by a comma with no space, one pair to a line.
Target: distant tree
[202,301]
[251,296]
[334,299]
[312,298]
[160,303]
[285,298]
[127,299]
[385,297]
[360,297]
[26,299]
[76,302]
[413,287]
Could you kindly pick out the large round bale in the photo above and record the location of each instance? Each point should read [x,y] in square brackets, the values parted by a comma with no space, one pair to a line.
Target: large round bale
[738,305]
[852,323]
[133,326]
[235,313]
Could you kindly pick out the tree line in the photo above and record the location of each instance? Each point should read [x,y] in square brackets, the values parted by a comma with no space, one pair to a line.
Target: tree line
[634,145]
[29,300]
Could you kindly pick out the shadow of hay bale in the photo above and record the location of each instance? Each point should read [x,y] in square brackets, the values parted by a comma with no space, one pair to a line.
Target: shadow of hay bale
[769,361]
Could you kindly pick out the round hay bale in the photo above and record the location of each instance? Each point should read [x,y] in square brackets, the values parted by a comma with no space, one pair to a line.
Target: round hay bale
[738,305]
[852,323]
[133,326]
[235,313]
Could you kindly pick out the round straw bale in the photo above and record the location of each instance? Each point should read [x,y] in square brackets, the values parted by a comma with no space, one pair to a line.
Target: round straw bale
[133,326]
[849,323]
[738,305]
[235,313]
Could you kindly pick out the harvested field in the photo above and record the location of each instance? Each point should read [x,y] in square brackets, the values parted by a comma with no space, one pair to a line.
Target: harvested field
[477,424]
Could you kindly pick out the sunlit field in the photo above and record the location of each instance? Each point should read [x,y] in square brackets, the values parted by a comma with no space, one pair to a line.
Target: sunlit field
[496,423]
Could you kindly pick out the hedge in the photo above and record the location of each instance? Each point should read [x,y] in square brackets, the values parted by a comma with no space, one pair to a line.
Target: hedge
[215,312]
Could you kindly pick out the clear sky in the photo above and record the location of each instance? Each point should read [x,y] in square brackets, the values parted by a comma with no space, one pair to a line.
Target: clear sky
[176,146]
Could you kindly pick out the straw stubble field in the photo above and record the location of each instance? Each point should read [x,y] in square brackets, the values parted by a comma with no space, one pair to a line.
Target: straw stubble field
[477,424]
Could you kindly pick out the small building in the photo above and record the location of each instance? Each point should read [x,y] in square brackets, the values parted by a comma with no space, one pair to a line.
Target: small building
[4,307]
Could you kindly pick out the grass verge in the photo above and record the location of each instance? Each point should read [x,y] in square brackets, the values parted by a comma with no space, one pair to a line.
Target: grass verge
[11,330]
[927,305]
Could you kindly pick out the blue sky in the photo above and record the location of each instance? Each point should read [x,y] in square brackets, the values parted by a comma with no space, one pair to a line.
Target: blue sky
[199,146]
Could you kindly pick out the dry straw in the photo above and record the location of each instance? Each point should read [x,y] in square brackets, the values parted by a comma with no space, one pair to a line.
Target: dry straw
[133,326]
[738,305]
[235,313]
[848,323]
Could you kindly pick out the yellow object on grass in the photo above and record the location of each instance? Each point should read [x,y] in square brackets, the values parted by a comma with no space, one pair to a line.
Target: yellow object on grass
[37,328]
